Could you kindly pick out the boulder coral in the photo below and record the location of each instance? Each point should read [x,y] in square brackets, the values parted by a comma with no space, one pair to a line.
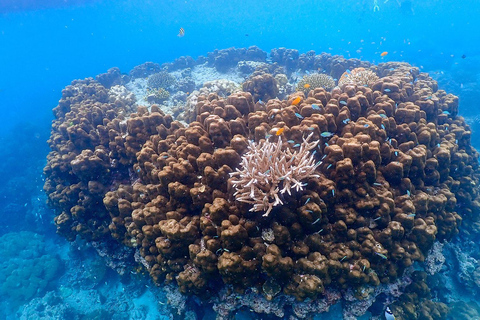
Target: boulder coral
[393,172]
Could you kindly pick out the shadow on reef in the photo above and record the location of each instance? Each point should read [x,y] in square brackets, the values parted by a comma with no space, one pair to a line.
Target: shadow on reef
[282,204]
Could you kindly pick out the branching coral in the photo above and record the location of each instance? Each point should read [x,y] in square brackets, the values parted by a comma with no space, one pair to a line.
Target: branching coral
[359,77]
[267,170]
[161,80]
[316,80]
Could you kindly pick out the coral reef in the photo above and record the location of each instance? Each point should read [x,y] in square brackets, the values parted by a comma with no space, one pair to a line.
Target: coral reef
[161,80]
[145,70]
[157,96]
[416,302]
[369,178]
[358,77]
[285,57]
[225,59]
[111,78]
[316,80]
[266,166]
[465,310]
[262,86]
[27,268]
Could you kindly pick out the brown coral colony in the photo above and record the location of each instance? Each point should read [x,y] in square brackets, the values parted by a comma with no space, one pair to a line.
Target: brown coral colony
[387,170]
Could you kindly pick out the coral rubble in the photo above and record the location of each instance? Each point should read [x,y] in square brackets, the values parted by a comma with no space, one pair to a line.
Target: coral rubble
[320,195]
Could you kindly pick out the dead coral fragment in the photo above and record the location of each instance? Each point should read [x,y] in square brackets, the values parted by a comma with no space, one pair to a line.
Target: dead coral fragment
[267,169]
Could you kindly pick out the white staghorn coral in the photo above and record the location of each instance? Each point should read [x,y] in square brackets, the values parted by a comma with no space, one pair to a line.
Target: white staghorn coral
[267,170]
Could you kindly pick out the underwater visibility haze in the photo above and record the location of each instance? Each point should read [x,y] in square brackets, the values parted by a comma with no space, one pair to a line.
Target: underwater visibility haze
[240,159]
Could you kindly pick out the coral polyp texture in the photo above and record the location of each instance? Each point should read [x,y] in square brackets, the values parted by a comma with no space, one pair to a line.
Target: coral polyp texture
[311,198]
[359,77]
[316,80]
[267,172]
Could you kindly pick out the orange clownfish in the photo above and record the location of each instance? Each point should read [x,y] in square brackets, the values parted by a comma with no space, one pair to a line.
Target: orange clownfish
[296,101]
[181,33]
[280,131]
[383,54]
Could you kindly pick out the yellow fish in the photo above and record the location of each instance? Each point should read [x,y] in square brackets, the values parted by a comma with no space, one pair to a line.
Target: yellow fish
[296,101]
[306,86]
[280,131]
[181,33]
[383,54]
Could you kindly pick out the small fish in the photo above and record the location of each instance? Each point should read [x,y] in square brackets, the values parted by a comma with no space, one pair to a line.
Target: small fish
[181,33]
[446,112]
[464,56]
[296,145]
[389,314]
[268,136]
[376,219]
[314,222]
[260,101]
[306,86]
[296,101]
[298,115]
[383,54]
[366,125]
[309,211]
[333,192]
[387,90]
[326,134]
[315,107]
[343,258]
[308,200]
[408,193]
[348,71]
[329,166]
[346,121]
[343,103]
[411,215]
[438,145]
[381,255]
[377,184]
[311,129]
[324,156]
[318,163]
[383,126]
[267,172]
[280,131]
[291,141]
[384,116]
[396,153]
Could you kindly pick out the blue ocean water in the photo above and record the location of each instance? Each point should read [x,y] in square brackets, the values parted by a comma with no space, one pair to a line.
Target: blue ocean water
[44,46]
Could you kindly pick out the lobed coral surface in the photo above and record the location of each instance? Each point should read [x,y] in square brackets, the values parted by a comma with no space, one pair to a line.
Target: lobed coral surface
[389,171]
